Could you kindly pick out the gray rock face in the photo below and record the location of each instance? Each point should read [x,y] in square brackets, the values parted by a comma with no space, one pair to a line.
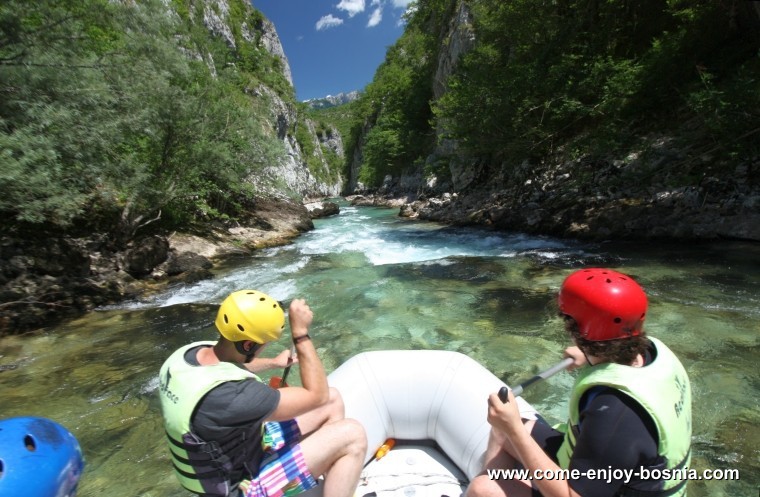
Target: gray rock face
[216,19]
[271,42]
[292,170]
[460,40]
[333,141]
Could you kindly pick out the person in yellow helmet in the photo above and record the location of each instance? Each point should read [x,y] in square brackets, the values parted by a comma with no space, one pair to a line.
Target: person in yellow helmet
[230,434]
[629,429]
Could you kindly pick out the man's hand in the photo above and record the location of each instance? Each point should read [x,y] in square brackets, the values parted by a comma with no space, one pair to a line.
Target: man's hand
[504,416]
[578,357]
[283,360]
[314,390]
[280,361]
[300,316]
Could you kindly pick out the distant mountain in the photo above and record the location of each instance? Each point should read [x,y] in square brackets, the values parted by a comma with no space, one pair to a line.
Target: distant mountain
[332,100]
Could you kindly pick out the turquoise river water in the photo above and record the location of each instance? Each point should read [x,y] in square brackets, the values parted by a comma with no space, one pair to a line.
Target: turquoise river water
[376,281]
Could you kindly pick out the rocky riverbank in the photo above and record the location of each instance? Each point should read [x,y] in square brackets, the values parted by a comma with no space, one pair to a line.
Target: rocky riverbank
[44,279]
[52,277]
[629,198]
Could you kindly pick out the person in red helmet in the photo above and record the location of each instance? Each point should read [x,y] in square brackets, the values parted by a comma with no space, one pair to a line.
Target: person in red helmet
[629,429]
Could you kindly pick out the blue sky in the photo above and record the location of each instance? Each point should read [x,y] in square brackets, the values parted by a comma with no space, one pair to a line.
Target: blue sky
[334,46]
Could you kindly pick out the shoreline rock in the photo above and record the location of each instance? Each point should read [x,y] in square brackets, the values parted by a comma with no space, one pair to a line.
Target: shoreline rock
[602,199]
[593,218]
[50,279]
[322,208]
[667,215]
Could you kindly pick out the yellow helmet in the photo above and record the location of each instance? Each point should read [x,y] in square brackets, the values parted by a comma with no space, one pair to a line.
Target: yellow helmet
[250,315]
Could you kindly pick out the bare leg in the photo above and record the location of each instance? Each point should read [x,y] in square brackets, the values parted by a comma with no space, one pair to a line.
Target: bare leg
[336,450]
[500,454]
[332,411]
[333,446]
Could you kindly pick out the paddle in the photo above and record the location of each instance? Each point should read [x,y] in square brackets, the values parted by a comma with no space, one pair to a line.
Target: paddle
[518,390]
[287,368]
[276,381]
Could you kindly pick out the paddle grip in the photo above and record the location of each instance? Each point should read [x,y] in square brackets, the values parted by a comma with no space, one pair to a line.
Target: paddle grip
[503,394]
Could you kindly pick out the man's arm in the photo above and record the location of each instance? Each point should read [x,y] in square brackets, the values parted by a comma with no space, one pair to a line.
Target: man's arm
[506,417]
[261,364]
[315,391]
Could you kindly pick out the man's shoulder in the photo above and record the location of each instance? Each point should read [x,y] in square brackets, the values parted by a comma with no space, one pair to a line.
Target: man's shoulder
[611,411]
[230,394]
[191,353]
[233,403]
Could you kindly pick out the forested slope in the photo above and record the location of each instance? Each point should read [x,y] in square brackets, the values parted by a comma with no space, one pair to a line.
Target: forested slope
[539,115]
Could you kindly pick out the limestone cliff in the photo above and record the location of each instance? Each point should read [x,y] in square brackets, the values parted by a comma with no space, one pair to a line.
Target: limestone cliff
[458,40]
[293,174]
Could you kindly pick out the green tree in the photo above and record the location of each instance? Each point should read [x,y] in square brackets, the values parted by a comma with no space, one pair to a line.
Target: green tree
[590,71]
[106,120]
[56,114]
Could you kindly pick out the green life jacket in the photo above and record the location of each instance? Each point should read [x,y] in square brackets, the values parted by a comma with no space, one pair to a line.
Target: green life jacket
[662,389]
[202,467]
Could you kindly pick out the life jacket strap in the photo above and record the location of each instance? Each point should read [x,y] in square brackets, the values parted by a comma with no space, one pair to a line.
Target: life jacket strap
[183,446]
[200,476]
[631,492]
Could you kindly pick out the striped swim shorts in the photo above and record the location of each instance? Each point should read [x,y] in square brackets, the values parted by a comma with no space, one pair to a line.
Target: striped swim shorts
[283,472]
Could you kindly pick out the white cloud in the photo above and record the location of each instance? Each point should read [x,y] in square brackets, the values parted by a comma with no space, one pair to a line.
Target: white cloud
[401,4]
[375,2]
[352,7]
[328,21]
[375,18]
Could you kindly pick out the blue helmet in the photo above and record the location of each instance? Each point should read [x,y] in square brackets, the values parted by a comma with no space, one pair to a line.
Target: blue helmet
[40,456]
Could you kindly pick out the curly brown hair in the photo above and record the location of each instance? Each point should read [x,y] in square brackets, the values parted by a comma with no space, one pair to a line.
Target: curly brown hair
[620,351]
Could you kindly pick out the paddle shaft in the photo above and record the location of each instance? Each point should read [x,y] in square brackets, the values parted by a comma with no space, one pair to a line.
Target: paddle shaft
[518,390]
[287,369]
[286,305]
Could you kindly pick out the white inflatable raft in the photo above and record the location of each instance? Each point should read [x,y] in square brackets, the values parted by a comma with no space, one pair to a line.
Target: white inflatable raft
[433,403]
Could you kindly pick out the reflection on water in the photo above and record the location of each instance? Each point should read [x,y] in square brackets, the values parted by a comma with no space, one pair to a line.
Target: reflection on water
[378,282]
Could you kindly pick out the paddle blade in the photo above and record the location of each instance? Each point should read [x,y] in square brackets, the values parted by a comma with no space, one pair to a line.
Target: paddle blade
[276,382]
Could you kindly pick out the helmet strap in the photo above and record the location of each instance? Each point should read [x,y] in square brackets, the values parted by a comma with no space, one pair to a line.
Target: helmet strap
[588,361]
[251,352]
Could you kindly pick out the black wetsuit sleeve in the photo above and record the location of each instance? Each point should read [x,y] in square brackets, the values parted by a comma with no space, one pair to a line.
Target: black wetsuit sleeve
[615,433]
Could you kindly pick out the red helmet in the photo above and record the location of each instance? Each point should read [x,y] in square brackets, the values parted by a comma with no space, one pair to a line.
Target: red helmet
[606,304]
